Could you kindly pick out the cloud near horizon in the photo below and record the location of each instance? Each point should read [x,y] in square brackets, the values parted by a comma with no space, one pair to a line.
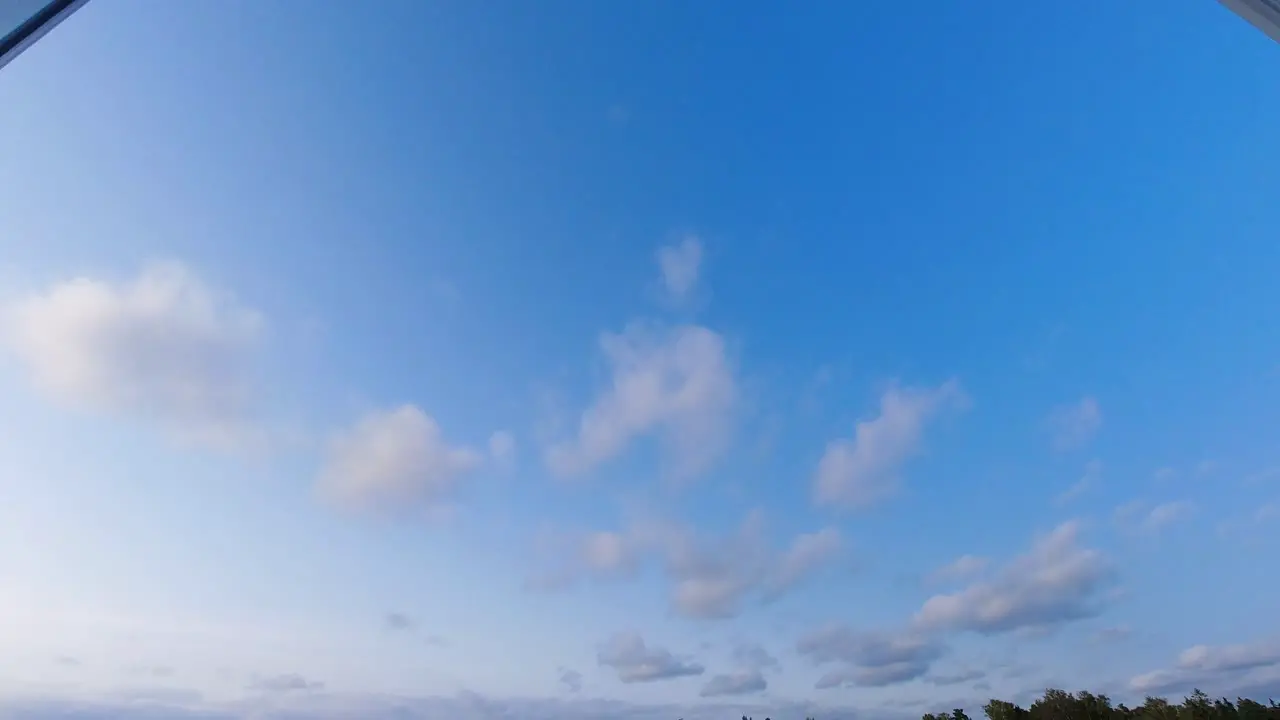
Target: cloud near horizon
[1246,668]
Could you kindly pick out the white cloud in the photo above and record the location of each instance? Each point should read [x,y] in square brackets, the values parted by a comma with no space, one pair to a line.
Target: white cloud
[1137,516]
[1125,514]
[807,553]
[1092,472]
[600,556]
[680,265]
[962,568]
[1220,667]
[743,682]
[1056,582]
[502,446]
[164,347]
[1072,426]
[880,676]
[754,656]
[868,659]
[710,577]
[394,459]
[677,383]
[1227,658]
[610,552]
[634,661]
[1166,514]
[858,472]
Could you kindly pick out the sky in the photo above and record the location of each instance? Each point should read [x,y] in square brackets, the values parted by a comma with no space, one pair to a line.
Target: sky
[636,359]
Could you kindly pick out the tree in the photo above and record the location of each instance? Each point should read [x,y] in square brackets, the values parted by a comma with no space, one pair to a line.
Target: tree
[1003,710]
[1250,710]
[1061,705]
[1196,706]
[1056,704]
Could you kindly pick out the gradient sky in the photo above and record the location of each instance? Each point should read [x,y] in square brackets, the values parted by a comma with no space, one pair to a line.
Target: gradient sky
[626,359]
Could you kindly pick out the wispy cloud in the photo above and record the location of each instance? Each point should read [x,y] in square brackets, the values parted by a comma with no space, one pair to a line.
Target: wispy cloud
[962,568]
[1074,425]
[680,264]
[710,576]
[1141,517]
[1165,514]
[675,382]
[502,447]
[860,471]
[1087,481]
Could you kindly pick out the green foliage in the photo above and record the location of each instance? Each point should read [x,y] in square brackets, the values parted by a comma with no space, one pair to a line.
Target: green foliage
[1004,710]
[1061,705]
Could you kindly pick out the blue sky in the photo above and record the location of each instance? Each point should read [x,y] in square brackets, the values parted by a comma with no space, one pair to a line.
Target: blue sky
[590,359]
